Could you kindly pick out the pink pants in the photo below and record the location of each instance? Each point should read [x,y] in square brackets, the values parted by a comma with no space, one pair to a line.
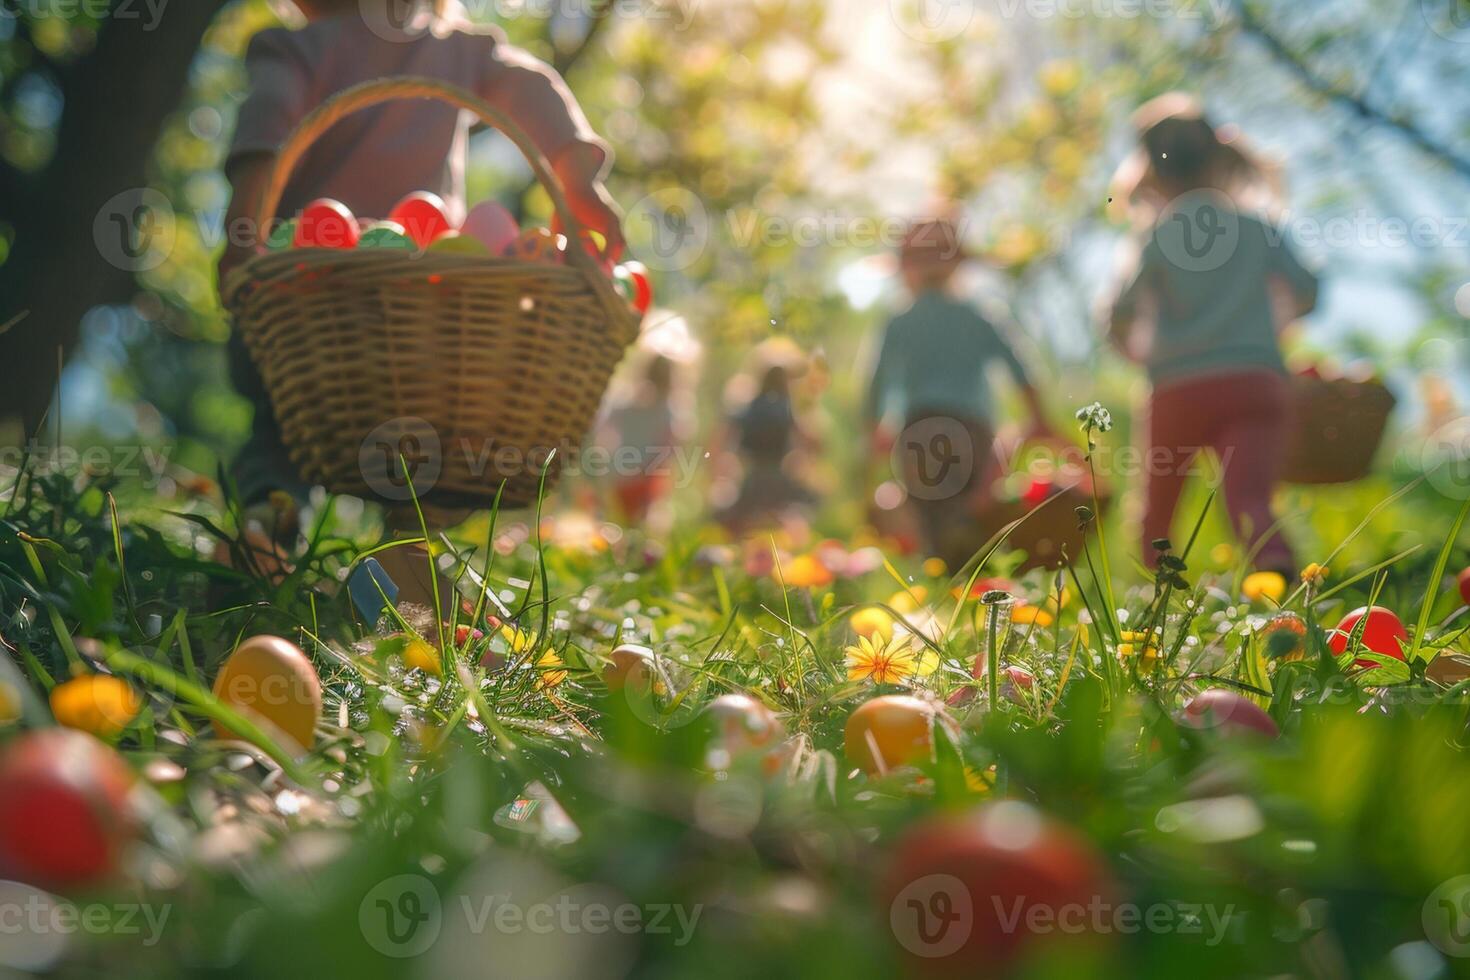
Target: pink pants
[1242,416]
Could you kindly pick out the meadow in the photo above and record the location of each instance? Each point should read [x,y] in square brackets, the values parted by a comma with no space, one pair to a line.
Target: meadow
[616,754]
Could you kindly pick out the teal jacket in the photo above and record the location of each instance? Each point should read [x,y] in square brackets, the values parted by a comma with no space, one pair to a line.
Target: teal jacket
[1203,280]
[933,359]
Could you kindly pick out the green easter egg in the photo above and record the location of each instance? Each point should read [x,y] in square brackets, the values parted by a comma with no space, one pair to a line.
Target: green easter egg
[623,283]
[453,243]
[383,236]
[281,236]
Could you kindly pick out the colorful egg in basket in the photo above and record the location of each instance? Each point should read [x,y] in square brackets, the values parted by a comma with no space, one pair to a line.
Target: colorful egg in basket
[440,374]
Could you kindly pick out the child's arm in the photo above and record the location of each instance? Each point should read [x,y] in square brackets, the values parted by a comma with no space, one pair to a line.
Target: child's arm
[1301,282]
[882,382]
[247,176]
[1040,427]
[1134,303]
[278,99]
[539,101]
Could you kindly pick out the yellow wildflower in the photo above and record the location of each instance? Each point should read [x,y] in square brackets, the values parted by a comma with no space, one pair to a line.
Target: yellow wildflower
[888,661]
[1315,574]
[804,572]
[1026,615]
[552,671]
[909,600]
[421,654]
[96,703]
[872,621]
[934,567]
[1264,585]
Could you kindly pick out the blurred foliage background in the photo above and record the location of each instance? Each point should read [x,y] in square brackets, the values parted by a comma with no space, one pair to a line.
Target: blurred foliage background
[780,134]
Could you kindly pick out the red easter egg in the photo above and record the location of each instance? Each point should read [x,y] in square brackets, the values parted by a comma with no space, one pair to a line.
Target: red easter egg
[1229,713]
[325,223]
[1382,634]
[1464,583]
[422,215]
[642,288]
[1037,492]
[965,892]
[65,817]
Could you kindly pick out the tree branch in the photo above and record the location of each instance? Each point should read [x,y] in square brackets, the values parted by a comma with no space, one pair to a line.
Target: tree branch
[1356,104]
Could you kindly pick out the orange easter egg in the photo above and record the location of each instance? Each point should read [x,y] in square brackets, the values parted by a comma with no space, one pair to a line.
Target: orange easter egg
[274,684]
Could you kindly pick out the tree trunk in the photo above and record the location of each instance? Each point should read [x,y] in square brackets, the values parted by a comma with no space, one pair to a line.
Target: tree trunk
[116,101]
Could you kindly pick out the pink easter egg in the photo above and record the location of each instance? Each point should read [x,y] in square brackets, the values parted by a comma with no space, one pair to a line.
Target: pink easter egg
[492,224]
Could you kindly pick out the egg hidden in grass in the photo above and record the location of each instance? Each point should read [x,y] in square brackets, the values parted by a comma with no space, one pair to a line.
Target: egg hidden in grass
[889,731]
[1383,634]
[66,814]
[271,682]
[97,703]
[423,217]
[492,225]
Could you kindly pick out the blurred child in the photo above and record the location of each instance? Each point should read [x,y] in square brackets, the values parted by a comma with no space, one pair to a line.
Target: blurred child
[1213,288]
[643,429]
[765,428]
[371,159]
[931,376]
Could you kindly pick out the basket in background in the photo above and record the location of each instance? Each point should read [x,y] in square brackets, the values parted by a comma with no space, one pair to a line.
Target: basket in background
[468,369]
[1337,428]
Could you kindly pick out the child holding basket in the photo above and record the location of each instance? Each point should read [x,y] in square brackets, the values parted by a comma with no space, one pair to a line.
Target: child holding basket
[1213,288]
[371,159]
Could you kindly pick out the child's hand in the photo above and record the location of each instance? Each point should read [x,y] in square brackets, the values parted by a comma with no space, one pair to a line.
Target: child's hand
[595,211]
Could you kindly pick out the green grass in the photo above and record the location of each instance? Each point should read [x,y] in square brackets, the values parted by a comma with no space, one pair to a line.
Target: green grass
[1325,845]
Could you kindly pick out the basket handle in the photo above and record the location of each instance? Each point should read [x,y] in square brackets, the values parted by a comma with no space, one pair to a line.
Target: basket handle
[369,94]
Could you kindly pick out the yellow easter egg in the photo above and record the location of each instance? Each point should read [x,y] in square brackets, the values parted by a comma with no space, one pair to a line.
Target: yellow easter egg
[454,243]
[274,684]
[97,703]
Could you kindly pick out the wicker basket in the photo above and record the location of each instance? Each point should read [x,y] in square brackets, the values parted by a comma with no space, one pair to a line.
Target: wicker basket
[1337,429]
[470,368]
[1050,537]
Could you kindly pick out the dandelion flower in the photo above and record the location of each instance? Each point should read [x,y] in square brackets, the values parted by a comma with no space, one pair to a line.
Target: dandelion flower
[887,661]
